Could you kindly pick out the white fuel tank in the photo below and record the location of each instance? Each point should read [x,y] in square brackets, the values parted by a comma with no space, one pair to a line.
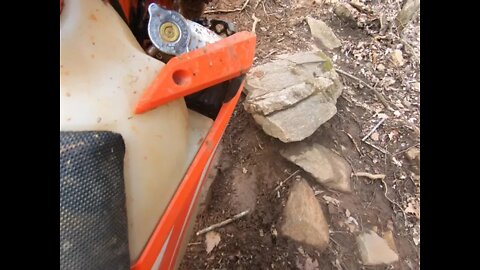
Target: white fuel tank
[103,72]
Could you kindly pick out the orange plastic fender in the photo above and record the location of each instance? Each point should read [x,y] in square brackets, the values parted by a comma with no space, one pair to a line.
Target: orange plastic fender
[196,70]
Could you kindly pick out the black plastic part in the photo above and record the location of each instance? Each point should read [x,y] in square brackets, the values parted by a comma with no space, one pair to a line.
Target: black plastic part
[233,87]
[93,220]
[209,101]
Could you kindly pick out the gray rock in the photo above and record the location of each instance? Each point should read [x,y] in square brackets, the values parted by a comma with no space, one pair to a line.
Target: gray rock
[375,250]
[293,95]
[323,33]
[405,15]
[298,122]
[284,98]
[328,168]
[345,12]
[304,220]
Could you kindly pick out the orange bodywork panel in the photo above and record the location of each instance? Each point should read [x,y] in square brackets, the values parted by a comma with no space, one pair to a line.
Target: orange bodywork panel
[196,70]
[181,76]
[165,241]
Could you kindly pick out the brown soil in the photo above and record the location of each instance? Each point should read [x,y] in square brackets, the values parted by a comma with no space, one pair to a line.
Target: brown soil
[251,167]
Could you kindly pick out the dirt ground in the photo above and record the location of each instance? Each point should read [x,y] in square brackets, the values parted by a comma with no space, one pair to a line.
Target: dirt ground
[251,167]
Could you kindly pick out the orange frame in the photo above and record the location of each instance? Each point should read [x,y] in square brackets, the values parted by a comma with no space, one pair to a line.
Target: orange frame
[215,63]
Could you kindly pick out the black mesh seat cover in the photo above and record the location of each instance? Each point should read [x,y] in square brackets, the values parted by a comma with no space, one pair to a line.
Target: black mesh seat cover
[93,220]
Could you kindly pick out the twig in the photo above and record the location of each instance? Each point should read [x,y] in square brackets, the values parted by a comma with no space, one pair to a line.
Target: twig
[270,53]
[333,240]
[264,10]
[228,10]
[353,170]
[347,232]
[373,129]
[223,223]
[259,144]
[256,4]
[194,244]
[371,176]
[377,94]
[255,21]
[393,202]
[376,147]
[354,143]
[284,181]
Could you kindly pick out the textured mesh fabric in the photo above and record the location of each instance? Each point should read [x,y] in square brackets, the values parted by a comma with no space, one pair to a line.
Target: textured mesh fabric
[93,220]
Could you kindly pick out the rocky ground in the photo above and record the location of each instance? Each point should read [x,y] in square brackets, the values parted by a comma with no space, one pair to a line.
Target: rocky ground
[324,147]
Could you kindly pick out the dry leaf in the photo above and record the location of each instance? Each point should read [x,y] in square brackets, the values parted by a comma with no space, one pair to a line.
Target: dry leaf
[398,163]
[393,134]
[274,232]
[244,170]
[347,213]
[352,220]
[375,136]
[211,240]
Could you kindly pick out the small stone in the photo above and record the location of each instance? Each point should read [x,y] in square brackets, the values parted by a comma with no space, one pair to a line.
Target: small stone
[321,31]
[413,154]
[396,57]
[380,67]
[375,250]
[345,12]
[328,168]
[304,219]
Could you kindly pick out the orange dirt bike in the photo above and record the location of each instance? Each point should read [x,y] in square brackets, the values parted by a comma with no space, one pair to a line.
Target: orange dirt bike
[145,97]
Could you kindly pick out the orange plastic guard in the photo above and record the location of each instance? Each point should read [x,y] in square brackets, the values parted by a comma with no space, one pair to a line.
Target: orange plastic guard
[194,71]
[161,250]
